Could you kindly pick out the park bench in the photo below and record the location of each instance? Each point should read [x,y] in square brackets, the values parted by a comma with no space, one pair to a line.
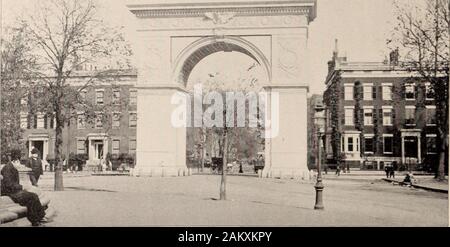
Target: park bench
[10,211]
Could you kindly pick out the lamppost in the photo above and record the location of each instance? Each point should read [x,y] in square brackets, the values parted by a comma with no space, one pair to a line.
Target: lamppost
[319,123]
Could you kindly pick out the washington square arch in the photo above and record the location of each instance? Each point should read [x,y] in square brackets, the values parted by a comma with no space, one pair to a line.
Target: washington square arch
[175,35]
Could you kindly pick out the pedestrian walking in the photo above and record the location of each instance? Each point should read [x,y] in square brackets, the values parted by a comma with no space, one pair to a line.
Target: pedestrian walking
[394,168]
[35,163]
[338,170]
[392,172]
[387,169]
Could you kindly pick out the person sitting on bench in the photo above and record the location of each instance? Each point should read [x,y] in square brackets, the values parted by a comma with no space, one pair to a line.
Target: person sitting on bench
[408,180]
[11,187]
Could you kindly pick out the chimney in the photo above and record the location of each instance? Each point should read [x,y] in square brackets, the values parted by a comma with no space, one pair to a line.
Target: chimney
[393,57]
[336,51]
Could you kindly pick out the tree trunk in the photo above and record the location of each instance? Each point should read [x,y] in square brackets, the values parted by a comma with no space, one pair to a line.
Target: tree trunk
[441,168]
[224,167]
[203,149]
[58,146]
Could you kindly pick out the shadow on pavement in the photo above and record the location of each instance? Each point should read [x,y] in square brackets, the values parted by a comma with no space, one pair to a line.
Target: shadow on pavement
[87,189]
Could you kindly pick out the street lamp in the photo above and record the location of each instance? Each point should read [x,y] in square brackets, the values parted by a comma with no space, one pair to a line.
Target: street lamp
[319,123]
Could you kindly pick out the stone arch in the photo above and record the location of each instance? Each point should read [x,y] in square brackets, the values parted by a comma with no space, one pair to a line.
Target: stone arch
[196,51]
[200,28]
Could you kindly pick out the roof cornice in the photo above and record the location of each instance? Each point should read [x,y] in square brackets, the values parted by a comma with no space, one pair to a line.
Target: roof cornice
[244,8]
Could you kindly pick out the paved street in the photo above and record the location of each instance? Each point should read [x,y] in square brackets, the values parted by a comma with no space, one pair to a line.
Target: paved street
[192,201]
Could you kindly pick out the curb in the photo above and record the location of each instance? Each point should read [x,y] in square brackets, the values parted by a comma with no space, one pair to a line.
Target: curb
[419,186]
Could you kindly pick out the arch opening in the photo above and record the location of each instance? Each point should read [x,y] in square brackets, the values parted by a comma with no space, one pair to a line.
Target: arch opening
[197,51]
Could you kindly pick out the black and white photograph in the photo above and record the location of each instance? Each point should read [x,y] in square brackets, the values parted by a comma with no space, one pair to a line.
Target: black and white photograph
[224,113]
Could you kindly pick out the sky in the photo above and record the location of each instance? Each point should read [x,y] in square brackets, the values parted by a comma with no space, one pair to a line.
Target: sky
[361,27]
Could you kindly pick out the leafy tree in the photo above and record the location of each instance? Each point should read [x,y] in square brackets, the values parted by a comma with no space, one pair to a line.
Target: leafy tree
[16,63]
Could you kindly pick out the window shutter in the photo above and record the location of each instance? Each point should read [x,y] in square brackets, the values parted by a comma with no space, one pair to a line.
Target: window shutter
[380,116]
[416,90]
[403,91]
[45,121]
[393,115]
[374,92]
[374,116]
[29,121]
[374,145]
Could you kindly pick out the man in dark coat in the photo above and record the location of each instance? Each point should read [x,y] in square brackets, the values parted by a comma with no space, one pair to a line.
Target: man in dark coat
[35,163]
[11,187]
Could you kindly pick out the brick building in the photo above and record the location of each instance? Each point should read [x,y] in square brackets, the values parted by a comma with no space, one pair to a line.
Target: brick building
[95,137]
[378,113]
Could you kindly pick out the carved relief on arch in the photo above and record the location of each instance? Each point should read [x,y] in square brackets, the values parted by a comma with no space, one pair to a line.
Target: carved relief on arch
[288,58]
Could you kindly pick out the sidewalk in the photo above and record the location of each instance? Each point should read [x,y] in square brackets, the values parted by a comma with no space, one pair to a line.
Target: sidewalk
[425,182]
[51,175]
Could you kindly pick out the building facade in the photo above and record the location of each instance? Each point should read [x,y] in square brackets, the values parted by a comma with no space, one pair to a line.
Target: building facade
[112,131]
[378,113]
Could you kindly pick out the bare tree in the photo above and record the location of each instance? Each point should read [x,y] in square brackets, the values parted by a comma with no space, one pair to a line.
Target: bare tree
[229,136]
[67,35]
[422,33]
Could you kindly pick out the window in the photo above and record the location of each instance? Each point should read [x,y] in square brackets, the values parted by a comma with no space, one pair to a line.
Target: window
[116,96]
[99,96]
[133,120]
[368,144]
[80,146]
[348,92]
[40,121]
[23,120]
[431,144]
[387,92]
[115,146]
[99,120]
[116,120]
[410,93]
[83,94]
[410,112]
[388,144]
[429,91]
[24,100]
[132,146]
[431,115]
[133,97]
[387,117]
[368,92]
[81,121]
[349,116]
[368,116]
[53,121]
[350,144]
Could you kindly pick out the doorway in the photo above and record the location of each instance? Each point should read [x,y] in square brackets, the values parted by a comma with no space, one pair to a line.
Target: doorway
[411,147]
[39,145]
[98,150]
